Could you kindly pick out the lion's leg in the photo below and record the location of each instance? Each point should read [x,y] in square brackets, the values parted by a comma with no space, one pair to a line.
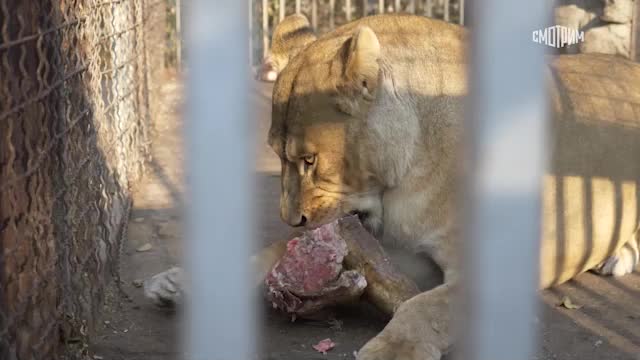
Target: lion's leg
[419,329]
[624,261]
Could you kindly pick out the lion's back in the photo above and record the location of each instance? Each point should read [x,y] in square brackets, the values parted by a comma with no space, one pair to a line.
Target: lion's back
[591,199]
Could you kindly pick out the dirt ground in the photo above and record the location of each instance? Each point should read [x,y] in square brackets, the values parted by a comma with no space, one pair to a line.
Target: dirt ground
[607,326]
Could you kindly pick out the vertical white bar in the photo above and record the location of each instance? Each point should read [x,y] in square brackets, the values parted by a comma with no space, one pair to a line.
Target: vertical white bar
[412,6]
[314,14]
[219,211]
[380,6]
[347,5]
[265,28]
[251,29]
[332,14]
[506,126]
[298,7]
[428,8]
[282,7]
[635,32]
[396,6]
[446,10]
[179,33]
[365,8]
[461,17]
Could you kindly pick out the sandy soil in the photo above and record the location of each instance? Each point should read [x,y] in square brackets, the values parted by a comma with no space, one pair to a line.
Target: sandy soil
[606,327]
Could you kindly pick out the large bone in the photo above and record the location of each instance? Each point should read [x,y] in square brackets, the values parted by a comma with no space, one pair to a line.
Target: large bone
[386,287]
[294,292]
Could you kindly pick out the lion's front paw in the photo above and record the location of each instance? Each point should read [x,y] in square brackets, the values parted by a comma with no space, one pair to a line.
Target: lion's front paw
[165,288]
[384,347]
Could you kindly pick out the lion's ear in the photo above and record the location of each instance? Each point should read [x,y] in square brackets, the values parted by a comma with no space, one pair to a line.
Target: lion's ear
[362,61]
[290,36]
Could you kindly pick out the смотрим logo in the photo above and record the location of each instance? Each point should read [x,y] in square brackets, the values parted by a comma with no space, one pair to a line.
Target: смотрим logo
[558,36]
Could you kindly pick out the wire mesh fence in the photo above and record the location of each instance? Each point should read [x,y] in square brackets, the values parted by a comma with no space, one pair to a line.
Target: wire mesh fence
[77,97]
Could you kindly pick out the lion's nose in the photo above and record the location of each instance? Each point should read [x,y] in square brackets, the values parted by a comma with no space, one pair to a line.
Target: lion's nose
[302,222]
[291,215]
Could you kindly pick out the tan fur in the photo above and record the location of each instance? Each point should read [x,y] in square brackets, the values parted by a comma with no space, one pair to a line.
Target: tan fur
[290,36]
[368,118]
[590,203]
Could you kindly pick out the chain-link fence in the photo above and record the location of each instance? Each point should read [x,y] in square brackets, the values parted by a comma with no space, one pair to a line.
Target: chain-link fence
[77,80]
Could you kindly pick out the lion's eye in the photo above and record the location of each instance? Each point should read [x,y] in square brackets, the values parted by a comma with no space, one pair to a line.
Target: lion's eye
[309,160]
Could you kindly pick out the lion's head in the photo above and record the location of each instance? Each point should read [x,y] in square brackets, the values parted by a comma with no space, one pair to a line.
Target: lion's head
[349,110]
[319,105]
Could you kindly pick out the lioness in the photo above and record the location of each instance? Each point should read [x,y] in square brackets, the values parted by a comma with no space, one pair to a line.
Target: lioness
[291,35]
[367,119]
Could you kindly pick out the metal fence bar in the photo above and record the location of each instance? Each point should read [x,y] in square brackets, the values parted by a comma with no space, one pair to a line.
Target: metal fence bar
[251,30]
[324,16]
[332,14]
[282,9]
[179,33]
[218,142]
[412,6]
[314,14]
[446,9]
[265,28]
[635,32]
[507,127]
